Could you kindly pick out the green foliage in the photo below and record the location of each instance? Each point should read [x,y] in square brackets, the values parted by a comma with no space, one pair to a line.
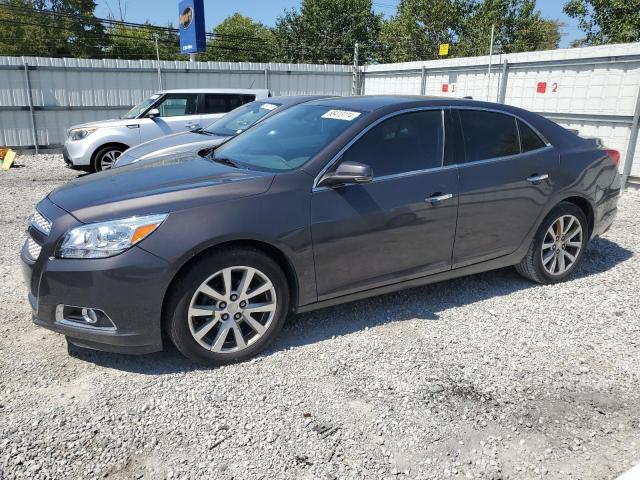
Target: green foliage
[240,39]
[606,21]
[421,25]
[75,32]
[139,43]
[325,31]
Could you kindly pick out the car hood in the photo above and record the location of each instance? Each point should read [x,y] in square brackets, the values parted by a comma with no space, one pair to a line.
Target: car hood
[157,186]
[177,143]
[114,122]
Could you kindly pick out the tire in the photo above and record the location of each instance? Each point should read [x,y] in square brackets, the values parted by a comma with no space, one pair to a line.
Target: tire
[187,312]
[104,157]
[545,267]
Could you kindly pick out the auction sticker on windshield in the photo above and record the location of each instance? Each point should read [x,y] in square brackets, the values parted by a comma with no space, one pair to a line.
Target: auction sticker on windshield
[341,115]
[268,106]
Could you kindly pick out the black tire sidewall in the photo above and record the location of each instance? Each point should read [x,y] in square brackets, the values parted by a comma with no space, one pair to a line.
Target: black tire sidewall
[564,208]
[95,164]
[192,278]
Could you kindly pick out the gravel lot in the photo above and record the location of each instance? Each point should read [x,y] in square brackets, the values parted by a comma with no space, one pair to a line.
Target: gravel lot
[485,377]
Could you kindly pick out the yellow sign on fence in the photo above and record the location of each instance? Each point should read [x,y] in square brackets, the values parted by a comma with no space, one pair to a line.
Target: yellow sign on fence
[444,49]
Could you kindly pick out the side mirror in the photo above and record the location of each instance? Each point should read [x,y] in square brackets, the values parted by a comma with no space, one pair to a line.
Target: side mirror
[153,113]
[347,173]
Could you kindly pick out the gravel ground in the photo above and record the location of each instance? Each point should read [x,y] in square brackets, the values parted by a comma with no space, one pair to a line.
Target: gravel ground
[487,376]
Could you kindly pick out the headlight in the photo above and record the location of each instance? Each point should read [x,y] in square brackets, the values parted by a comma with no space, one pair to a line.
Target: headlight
[106,239]
[80,133]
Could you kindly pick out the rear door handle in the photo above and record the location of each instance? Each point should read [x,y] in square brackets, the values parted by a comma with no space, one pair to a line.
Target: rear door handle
[438,197]
[536,179]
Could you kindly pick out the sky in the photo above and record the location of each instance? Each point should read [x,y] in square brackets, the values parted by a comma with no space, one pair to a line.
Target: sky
[266,11]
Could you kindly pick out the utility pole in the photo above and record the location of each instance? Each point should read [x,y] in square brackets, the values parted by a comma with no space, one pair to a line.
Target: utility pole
[155,37]
[493,27]
[354,86]
[192,57]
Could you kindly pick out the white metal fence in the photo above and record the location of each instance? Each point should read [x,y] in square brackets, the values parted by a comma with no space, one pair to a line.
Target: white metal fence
[595,90]
[65,91]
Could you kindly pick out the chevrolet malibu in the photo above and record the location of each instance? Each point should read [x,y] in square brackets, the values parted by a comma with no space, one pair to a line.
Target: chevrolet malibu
[327,202]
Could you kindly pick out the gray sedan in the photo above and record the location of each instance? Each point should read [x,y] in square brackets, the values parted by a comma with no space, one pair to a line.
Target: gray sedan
[230,125]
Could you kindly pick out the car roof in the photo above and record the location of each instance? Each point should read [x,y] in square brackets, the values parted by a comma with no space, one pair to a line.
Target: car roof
[293,99]
[375,102]
[218,90]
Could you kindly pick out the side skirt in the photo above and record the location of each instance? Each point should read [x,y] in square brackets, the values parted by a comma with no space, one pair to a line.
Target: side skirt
[496,263]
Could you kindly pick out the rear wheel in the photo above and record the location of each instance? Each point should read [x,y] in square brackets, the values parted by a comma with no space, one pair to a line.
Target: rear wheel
[228,306]
[106,157]
[557,247]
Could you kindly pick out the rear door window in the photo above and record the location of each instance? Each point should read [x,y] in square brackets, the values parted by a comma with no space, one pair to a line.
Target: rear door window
[488,135]
[529,140]
[220,103]
[404,143]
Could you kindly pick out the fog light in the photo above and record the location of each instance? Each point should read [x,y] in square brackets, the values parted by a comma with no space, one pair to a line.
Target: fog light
[84,317]
[89,315]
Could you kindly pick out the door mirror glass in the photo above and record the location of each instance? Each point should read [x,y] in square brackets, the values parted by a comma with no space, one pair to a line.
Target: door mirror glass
[347,173]
[153,113]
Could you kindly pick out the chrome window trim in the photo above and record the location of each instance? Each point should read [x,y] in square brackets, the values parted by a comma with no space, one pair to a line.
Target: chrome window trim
[500,159]
[338,155]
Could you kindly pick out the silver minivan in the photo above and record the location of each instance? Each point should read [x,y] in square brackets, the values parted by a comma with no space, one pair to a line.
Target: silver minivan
[96,145]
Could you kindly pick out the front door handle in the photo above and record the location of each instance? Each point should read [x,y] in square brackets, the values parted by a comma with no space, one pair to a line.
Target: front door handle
[536,179]
[438,198]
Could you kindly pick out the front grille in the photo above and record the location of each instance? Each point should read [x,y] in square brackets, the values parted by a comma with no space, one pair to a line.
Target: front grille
[32,249]
[40,223]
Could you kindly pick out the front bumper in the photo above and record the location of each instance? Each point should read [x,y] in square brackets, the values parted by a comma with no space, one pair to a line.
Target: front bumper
[129,288]
[77,154]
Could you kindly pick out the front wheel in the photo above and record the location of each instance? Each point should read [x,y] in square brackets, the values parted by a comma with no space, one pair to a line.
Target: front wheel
[105,158]
[228,306]
[558,246]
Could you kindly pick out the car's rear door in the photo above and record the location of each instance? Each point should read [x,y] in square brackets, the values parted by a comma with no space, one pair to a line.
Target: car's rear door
[506,181]
[397,227]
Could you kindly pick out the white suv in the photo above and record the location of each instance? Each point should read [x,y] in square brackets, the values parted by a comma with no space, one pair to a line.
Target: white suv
[95,146]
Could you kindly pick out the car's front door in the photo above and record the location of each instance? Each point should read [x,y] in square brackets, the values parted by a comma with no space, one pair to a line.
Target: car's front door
[178,113]
[399,226]
[505,183]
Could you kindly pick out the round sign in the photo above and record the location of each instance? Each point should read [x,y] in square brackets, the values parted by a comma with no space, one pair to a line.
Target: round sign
[186,18]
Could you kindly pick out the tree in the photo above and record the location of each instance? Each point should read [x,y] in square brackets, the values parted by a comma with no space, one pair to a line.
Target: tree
[139,42]
[606,21]
[519,27]
[419,26]
[30,29]
[239,39]
[326,31]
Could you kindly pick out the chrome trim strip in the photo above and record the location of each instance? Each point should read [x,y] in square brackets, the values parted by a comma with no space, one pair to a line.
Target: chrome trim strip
[36,219]
[500,159]
[70,323]
[337,156]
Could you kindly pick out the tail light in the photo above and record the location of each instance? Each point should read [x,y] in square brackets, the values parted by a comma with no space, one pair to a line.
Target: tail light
[614,155]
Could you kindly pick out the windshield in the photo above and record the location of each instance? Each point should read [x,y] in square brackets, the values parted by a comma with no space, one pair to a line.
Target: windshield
[141,107]
[289,139]
[240,119]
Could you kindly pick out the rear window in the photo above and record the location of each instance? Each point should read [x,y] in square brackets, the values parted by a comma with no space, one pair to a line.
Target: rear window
[488,135]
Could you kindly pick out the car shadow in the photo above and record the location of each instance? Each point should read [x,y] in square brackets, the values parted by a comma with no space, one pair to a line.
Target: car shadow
[418,304]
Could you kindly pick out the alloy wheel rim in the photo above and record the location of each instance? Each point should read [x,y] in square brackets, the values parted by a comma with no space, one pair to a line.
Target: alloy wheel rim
[232,309]
[561,245]
[108,159]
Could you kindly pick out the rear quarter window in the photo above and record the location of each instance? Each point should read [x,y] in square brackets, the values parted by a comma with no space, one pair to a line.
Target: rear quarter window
[529,140]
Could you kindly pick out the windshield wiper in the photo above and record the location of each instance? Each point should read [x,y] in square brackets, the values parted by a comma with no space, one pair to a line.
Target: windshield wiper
[224,161]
